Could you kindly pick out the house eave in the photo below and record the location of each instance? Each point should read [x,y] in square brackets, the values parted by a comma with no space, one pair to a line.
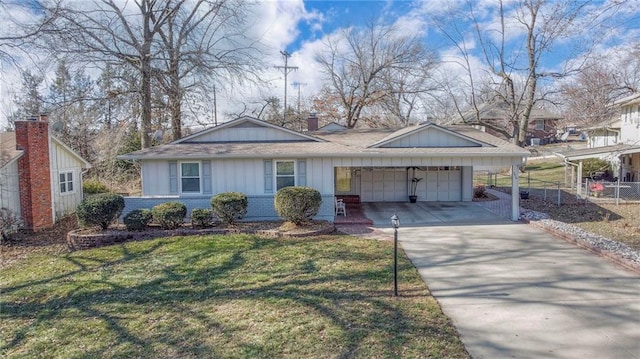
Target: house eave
[328,155]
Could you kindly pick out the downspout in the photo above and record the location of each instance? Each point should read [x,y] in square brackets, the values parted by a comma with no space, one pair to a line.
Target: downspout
[52,180]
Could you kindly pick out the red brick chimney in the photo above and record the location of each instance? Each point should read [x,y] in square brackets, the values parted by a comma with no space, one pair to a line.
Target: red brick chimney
[312,122]
[32,136]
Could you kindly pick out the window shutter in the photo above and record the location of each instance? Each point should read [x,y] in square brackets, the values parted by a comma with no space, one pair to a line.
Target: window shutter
[206,177]
[268,176]
[173,177]
[302,172]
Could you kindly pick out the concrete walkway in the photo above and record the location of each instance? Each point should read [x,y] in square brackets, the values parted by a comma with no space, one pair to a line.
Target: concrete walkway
[515,291]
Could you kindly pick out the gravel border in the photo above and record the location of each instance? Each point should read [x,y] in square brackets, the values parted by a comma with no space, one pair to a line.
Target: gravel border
[614,250]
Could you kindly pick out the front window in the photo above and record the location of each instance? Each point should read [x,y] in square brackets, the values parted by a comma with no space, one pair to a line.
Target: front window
[343,179]
[190,177]
[539,125]
[285,174]
[66,182]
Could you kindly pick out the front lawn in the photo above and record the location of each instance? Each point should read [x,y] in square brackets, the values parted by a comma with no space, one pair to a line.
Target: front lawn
[234,296]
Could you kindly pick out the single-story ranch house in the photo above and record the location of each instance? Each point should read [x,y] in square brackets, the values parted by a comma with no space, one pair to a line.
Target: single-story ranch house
[377,165]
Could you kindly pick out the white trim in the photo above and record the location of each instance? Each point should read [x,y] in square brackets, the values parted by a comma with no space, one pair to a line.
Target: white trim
[180,178]
[66,182]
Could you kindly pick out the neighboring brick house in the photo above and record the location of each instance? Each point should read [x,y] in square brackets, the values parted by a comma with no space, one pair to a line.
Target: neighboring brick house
[40,177]
[542,127]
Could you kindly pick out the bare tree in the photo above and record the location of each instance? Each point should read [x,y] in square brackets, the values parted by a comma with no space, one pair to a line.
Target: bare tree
[516,74]
[354,62]
[588,98]
[111,31]
[406,88]
[22,23]
[202,42]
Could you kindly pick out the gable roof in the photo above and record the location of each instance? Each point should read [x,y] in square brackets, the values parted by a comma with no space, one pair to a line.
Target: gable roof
[73,153]
[8,151]
[276,134]
[443,133]
[332,127]
[352,142]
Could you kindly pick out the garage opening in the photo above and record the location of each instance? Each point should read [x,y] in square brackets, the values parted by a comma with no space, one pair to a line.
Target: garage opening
[392,184]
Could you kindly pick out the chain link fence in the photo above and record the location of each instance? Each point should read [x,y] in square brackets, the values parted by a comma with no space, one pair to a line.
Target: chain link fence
[559,193]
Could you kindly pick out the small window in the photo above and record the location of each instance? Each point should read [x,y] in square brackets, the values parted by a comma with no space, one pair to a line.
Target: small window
[285,174]
[66,182]
[190,177]
[539,125]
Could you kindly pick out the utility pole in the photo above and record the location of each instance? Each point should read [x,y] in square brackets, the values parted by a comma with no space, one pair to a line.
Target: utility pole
[286,69]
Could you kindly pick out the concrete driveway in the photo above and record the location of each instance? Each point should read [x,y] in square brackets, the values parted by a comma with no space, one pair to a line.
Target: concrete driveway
[515,291]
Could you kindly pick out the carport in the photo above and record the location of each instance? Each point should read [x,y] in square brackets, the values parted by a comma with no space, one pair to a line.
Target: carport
[621,156]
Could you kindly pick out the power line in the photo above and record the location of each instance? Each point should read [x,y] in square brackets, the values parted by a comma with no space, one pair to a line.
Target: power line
[286,69]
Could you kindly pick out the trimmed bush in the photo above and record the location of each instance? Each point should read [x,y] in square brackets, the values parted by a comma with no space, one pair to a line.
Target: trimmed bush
[100,210]
[137,220]
[169,215]
[93,186]
[297,204]
[229,206]
[201,218]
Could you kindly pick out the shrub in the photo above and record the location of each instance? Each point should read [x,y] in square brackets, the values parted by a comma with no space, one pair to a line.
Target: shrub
[93,186]
[100,209]
[297,204]
[169,215]
[479,191]
[138,219]
[9,225]
[201,217]
[229,206]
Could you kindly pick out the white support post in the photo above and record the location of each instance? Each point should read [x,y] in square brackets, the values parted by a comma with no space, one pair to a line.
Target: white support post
[579,180]
[515,193]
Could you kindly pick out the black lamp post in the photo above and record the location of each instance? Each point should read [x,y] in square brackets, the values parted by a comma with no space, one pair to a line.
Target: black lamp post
[395,223]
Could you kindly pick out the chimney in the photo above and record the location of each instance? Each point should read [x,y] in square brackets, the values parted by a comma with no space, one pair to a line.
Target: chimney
[32,136]
[312,122]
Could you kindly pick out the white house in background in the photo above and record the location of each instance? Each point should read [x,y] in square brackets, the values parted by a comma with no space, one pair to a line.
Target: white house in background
[40,177]
[619,142]
[376,165]
[607,133]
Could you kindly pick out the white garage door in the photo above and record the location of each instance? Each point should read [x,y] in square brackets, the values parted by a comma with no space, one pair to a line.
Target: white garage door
[443,184]
[390,184]
[383,185]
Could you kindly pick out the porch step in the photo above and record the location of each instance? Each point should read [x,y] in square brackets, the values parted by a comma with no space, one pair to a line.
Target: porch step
[350,199]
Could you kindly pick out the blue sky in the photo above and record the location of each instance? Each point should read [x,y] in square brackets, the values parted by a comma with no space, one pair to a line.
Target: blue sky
[300,26]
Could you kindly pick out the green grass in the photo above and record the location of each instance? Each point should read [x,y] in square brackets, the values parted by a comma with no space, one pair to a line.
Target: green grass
[236,296]
[537,175]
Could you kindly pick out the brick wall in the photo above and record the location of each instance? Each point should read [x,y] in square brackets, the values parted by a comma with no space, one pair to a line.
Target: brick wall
[32,136]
